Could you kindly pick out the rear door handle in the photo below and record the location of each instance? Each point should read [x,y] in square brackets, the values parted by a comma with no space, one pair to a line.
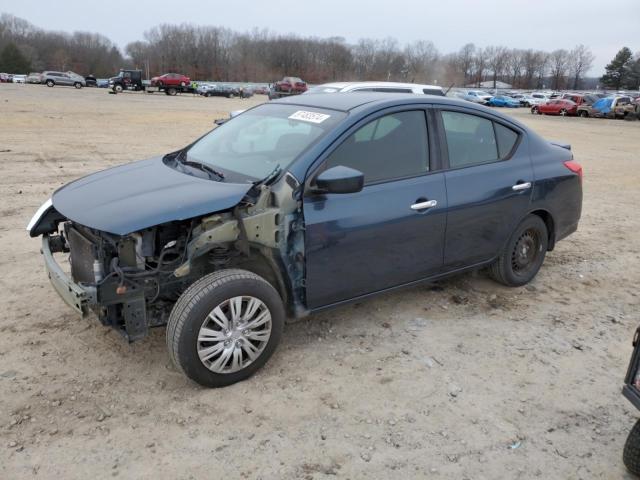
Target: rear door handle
[424,205]
[521,186]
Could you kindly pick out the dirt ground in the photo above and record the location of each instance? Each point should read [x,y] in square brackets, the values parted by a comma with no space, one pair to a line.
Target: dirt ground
[465,379]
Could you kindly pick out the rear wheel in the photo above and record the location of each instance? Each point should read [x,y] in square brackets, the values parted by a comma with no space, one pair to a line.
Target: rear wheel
[631,452]
[524,253]
[78,85]
[50,83]
[584,113]
[225,327]
[563,112]
[534,110]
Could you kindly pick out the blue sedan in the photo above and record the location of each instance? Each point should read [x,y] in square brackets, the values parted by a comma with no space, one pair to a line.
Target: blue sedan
[300,205]
[503,101]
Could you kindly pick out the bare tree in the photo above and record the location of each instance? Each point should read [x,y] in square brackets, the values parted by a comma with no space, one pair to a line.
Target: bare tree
[580,62]
[422,58]
[559,61]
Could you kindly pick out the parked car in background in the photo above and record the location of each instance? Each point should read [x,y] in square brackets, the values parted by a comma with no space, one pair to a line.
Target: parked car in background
[4,77]
[529,101]
[503,101]
[610,107]
[556,107]
[278,214]
[171,80]
[476,96]
[52,78]
[384,87]
[291,85]
[19,79]
[217,90]
[102,83]
[91,81]
[261,90]
[34,77]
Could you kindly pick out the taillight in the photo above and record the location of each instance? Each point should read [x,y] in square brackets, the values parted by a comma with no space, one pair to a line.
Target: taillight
[575,167]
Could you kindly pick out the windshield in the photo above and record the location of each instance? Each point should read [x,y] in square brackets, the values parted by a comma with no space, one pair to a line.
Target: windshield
[259,140]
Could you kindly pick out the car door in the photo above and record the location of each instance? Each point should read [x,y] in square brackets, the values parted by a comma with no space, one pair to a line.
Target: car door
[64,79]
[392,231]
[489,180]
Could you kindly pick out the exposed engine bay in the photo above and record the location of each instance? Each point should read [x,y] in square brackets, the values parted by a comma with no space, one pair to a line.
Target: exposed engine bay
[138,277]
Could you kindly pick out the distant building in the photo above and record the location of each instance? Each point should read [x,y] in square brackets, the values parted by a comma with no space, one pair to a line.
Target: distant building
[489,84]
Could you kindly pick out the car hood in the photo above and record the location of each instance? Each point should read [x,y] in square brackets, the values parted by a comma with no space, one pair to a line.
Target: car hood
[142,194]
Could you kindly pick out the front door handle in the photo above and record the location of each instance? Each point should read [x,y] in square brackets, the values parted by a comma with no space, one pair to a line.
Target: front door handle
[424,205]
[521,186]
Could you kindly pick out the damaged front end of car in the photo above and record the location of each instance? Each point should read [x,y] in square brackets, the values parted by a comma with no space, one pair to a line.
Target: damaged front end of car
[132,281]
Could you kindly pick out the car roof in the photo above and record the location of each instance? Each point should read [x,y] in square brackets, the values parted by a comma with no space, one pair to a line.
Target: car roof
[349,101]
[341,85]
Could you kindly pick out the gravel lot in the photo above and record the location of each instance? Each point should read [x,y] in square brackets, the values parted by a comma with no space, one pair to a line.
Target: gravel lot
[465,379]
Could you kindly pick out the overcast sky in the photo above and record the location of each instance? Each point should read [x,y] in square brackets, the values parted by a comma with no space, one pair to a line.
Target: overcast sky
[604,26]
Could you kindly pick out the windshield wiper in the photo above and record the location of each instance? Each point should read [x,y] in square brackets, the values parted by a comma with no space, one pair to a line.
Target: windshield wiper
[204,167]
[270,177]
[182,158]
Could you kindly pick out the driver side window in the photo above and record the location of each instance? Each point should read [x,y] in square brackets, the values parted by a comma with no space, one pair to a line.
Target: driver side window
[390,147]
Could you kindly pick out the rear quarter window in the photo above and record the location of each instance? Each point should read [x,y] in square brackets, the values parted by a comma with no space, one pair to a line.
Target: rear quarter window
[506,139]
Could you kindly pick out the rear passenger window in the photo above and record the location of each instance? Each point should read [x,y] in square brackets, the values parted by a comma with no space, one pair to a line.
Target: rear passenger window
[506,139]
[473,140]
[470,139]
[390,147]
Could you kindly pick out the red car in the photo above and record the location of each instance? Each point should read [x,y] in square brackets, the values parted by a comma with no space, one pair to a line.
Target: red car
[556,107]
[291,85]
[170,80]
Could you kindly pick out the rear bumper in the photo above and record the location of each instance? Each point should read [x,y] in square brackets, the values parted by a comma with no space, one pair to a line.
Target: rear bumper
[78,297]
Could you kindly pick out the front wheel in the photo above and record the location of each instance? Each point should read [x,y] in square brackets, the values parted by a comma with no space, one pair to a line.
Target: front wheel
[523,254]
[584,113]
[172,91]
[117,88]
[78,85]
[534,110]
[631,452]
[225,327]
[50,83]
[563,112]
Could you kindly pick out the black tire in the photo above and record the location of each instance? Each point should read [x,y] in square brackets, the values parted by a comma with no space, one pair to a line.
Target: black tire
[193,308]
[584,113]
[631,452]
[534,110]
[523,254]
[78,85]
[117,88]
[172,91]
[50,83]
[563,112]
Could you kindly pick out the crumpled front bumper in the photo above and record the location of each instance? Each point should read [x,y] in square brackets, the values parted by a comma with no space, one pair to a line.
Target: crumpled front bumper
[79,297]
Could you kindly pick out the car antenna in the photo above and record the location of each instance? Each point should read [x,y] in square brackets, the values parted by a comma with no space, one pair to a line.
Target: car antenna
[450,87]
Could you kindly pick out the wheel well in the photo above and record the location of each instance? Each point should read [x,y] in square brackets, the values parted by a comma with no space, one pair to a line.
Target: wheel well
[550,223]
[265,267]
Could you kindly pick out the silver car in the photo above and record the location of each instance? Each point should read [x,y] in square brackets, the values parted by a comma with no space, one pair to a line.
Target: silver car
[69,79]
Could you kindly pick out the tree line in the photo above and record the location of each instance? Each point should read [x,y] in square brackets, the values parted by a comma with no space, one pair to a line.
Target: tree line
[221,54]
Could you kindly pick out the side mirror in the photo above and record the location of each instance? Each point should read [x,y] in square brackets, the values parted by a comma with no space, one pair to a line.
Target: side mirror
[339,179]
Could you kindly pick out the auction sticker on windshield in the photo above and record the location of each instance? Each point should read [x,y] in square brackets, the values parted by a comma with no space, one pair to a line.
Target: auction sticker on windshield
[312,117]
